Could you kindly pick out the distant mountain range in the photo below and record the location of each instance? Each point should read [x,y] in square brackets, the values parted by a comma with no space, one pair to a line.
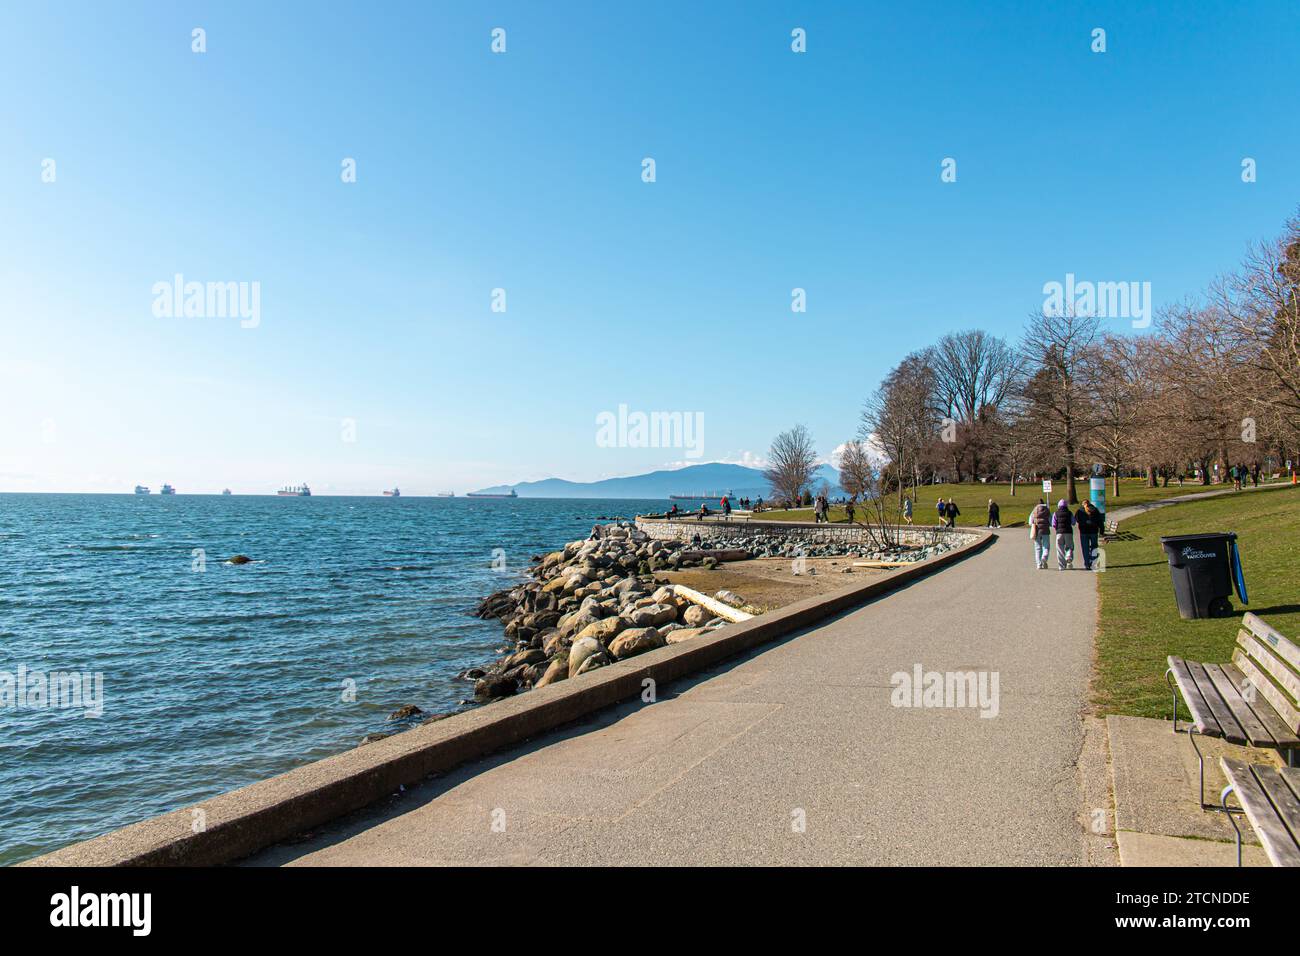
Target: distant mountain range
[712,478]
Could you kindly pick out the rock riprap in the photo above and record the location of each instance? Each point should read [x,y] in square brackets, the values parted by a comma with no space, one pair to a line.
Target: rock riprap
[587,605]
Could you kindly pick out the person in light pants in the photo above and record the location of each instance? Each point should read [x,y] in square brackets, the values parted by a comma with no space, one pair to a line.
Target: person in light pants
[1063,523]
[1040,533]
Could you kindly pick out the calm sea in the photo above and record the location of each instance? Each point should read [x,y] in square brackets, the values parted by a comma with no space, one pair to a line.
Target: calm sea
[217,675]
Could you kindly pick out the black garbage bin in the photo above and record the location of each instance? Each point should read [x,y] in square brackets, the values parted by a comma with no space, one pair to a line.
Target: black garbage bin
[1203,568]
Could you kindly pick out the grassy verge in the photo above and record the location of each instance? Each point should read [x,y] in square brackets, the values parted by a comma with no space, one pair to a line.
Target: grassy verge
[972,500]
[1138,624]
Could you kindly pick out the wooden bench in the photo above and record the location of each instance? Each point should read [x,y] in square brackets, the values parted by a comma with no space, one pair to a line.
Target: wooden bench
[1254,701]
[1271,800]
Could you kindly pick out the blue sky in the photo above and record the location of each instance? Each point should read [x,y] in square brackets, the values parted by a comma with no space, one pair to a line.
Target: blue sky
[522,171]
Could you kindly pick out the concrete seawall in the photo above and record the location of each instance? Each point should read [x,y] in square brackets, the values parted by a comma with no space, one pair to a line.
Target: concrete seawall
[234,825]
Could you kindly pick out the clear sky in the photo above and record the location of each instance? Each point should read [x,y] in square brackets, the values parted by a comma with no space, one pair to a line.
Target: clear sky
[523,171]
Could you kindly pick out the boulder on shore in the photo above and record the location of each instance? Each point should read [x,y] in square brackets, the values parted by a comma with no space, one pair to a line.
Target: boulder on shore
[495,685]
[405,712]
[557,671]
[695,616]
[603,630]
[580,651]
[636,641]
[653,615]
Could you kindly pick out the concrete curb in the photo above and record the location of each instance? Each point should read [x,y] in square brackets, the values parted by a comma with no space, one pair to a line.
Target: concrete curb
[234,825]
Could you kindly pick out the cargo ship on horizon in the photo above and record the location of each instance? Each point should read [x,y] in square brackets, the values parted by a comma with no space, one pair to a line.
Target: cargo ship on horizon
[294,491]
[485,494]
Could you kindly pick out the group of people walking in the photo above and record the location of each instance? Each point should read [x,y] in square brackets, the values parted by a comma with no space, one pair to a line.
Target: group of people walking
[1044,523]
[948,512]
[1047,527]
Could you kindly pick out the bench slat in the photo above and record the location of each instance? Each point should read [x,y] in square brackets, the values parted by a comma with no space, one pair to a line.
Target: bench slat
[1204,720]
[1263,816]
[1261,654]
[1232,731]
[1274,638]
[1262,707]
[1255,730]
[1280,788]
[1265,688]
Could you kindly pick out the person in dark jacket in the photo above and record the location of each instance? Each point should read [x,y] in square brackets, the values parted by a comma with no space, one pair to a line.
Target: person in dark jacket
[951,511]
[1091,523]
[995,514]
[1063,525]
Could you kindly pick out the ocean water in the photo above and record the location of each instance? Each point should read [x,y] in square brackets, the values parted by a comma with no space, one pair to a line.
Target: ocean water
[218,675]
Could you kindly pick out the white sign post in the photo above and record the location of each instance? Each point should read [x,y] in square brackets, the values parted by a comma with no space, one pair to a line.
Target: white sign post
[1047,486]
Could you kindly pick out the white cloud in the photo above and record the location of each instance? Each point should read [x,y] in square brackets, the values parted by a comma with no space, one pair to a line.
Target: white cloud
[875,453]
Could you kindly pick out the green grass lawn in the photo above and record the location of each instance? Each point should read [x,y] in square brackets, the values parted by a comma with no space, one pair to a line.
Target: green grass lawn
[972,500]
[1138,624]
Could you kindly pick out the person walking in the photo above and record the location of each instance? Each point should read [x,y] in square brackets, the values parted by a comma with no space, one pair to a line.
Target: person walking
[907,509]
[726,508]
[1063,523]
[941,507]
[952,511]
[995,514]
[1039,522]
[1091,523]
[849,510]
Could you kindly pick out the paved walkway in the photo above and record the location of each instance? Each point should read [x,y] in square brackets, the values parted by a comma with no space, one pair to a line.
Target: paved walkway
[725,766]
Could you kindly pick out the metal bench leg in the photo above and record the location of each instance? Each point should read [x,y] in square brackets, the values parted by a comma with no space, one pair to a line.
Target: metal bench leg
[1173,692]
[1231,812]
[1200,760]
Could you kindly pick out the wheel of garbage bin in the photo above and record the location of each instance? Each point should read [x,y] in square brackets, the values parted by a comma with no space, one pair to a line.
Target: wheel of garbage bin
[1220,607]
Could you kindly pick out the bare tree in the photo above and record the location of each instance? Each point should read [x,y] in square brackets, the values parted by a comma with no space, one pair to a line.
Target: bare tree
[1260,306]
[1060,353]
[864,480]
[900,418]
[1122,402]
[973,374]
[792,461]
